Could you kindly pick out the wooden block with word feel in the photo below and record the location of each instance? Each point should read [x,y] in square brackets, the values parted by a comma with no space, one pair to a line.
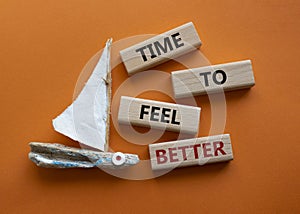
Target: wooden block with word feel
[160,48]
[159,115]
[190,152]
[212,79]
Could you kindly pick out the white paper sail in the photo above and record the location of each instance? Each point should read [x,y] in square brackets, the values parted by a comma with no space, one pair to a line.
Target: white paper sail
[87,119]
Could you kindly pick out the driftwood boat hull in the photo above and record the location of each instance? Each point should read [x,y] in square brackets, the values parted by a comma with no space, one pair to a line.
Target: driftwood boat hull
[59,156]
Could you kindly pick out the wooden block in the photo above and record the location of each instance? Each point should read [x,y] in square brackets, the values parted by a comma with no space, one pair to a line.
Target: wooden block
[161,48]
[159,115]
[212,79]
[190,152]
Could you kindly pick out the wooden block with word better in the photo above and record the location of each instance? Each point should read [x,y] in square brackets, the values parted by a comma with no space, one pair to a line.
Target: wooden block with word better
[161,48]
[159,115]
[190,152]
[211,79]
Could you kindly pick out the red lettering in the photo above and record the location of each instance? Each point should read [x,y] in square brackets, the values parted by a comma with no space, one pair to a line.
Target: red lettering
[206,150]
[183,150]
[195,147]
[161,156]
[172,154]
[218,147]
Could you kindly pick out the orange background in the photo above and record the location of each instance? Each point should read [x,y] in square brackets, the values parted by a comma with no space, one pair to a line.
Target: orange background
[45,44]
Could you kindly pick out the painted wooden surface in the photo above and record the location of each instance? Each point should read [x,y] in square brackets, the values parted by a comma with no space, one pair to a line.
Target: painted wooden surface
[160,48]
[212,79]
[190,152]
[159,115]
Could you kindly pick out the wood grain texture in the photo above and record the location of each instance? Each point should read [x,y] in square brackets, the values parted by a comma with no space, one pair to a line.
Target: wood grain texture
[161,48]
[190,152]
[213,79]
[54,155]
[159,115]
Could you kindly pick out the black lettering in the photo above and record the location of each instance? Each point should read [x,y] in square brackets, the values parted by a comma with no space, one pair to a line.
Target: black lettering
[165,115]
[143,112]
[205,74]
[174,118]
[223,75]
[176,40]
[164,49]
[153,113]
[151,51]
[141,50]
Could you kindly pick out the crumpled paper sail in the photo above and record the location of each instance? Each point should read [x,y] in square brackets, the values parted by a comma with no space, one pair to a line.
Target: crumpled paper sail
[86,120]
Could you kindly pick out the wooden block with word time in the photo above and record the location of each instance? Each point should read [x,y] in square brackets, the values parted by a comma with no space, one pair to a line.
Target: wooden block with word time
[211,79]
[190,152]
[161,48]
[159,115]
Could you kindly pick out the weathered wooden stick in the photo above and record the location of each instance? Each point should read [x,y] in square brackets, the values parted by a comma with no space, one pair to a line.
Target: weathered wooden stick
[59,156]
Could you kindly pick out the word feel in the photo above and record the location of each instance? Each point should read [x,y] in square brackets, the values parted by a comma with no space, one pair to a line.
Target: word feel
[164,115]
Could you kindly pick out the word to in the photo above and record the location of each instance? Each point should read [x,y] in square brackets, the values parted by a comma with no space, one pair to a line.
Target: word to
[213,79]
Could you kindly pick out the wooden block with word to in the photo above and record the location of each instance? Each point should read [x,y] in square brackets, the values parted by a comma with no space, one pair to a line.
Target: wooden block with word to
[211,79]
[159,115]
[161,48]
[190,152]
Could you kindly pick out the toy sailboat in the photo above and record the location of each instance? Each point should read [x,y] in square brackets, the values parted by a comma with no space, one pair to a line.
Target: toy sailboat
[86,120]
